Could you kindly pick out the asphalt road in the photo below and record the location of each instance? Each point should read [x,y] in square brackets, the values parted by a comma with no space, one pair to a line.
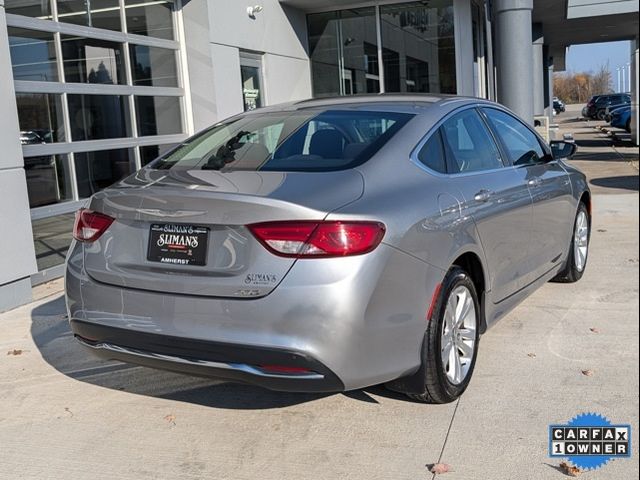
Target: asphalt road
[65,415]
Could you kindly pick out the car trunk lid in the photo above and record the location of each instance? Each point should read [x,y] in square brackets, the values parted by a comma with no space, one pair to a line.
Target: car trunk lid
[220,204]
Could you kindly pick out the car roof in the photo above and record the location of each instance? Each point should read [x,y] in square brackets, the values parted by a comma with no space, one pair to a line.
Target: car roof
[389,101]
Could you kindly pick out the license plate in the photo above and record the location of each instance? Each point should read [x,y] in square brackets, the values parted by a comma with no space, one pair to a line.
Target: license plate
[178,244]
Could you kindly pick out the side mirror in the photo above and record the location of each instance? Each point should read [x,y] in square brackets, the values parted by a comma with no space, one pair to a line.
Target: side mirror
[562,149]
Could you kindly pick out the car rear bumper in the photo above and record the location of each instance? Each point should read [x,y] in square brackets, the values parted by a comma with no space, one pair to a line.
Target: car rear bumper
[280,370]
[356,322]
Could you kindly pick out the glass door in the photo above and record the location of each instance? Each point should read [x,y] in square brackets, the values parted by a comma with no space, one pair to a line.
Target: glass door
[251,75]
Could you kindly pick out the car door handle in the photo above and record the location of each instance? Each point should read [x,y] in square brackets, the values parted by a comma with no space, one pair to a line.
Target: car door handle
[483,195]
[534,182]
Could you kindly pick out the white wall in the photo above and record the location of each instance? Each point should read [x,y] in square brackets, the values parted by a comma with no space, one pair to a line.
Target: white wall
[17,259]
[215,33]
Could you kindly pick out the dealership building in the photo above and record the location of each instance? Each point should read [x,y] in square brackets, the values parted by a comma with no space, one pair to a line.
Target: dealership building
[94,89]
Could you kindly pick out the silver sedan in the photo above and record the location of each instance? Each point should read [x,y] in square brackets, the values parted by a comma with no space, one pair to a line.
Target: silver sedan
[329,245]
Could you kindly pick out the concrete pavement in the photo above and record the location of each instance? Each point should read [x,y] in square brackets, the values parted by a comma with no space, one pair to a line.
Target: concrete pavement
[66,415]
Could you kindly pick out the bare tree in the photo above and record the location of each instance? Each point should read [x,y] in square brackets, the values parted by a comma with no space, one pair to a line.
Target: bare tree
[578,87]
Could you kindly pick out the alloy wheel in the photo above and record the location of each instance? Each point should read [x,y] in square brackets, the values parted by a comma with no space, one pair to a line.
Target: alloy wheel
[458,340]
[581,241]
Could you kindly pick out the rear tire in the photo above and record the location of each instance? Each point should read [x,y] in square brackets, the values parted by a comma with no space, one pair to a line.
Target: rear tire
[627,127]
[600,115]
[579,249]
[450,346]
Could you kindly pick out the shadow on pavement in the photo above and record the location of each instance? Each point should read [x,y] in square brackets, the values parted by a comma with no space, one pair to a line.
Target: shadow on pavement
[624,182]
[53,338]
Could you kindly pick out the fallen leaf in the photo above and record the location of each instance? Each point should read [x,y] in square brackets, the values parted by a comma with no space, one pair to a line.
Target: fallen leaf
[66,409]
[587,373]
[595,330]
[601,230]
[171,418]
[440,468]
[570,469]
[15,351]
[532,355]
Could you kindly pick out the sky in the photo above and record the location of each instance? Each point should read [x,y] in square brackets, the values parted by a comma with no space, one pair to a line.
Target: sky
[585,58]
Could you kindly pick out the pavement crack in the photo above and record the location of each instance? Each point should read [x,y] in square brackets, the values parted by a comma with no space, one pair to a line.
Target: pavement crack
[446,437]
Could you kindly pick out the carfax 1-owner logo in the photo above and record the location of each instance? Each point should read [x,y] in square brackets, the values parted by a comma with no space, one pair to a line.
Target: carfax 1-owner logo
[589,441]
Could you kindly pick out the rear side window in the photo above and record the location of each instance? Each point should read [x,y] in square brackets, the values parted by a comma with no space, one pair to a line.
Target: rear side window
[432,154]
[304,141]
[469,143]
[520,143]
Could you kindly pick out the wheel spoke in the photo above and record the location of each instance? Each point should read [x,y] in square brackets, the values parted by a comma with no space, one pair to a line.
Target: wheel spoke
[458,364]
[446,351]
[464,311]
[466,349]
[468,334]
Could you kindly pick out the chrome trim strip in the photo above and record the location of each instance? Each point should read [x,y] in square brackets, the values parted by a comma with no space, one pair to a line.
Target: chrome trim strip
[238,367]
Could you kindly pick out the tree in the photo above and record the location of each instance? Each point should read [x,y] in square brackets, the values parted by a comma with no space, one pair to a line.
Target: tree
[578,87]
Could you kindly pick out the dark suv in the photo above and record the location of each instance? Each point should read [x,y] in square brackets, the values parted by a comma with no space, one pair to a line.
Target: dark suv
[596,108]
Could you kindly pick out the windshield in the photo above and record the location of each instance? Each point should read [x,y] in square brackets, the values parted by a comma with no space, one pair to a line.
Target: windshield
[303,141]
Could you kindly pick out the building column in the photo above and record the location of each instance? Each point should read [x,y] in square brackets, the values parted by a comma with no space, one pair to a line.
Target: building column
[549,89]
[635,91]
[514,59]
[538,69]
[18,260]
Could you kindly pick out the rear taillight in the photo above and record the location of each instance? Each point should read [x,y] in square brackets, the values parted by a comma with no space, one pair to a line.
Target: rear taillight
[90,225]
[322,239]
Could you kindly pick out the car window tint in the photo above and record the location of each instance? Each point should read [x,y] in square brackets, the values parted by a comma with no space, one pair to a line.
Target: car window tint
[304,141]
[432,154]
[519,141]
[469,143]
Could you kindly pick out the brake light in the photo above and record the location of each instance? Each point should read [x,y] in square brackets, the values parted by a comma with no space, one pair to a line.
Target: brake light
[89,225]
[318,239]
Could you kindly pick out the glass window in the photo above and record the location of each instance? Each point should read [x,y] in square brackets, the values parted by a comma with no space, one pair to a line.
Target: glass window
[94,117]
[158,115]
[469,143]
[343,49]
[33,55]
[29,8]
[153,66]
[432,154]
[520,143]
[153,19]
[87,60]
[98,170]
[40,118]
[48,179]
[418,47]
[94,13]
[51,238]
[148,153]
[251,87]
[313,141]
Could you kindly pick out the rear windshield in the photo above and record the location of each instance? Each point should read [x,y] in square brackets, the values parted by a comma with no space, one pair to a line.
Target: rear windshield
[303,141]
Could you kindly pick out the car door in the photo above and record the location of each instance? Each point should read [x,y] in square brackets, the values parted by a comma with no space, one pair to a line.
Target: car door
[494,194]
[549,185]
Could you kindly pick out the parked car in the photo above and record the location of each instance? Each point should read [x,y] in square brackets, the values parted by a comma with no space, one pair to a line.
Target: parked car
[621,118]
[600,105]
[558,106]
[609,110]
[589,110]
[329,245]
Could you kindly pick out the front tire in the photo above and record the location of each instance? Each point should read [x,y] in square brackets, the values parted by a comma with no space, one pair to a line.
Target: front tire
[579,250]
[451,340]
